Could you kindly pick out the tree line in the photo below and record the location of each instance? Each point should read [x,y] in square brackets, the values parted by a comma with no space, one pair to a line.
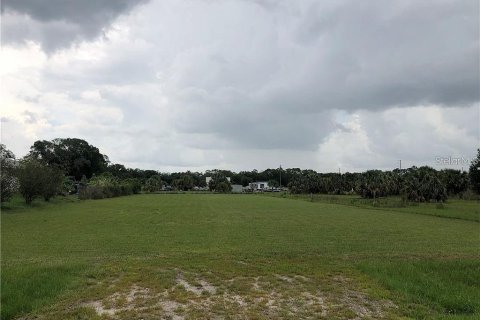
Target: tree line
[71,165]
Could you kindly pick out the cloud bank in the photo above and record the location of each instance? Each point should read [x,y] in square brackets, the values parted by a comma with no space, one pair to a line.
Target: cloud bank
[245,84]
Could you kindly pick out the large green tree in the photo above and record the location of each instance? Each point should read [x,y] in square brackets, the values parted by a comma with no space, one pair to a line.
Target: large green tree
[75,156]
[298,184]
[455,181]
[374,184]
[423,184]
[432,188]
[219,182]
[474,173]
[119,170]
[184,183]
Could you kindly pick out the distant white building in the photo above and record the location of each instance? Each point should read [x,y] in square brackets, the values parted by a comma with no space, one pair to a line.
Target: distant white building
[259,185]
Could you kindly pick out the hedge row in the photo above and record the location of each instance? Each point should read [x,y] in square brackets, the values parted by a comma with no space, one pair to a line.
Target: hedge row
[106,186]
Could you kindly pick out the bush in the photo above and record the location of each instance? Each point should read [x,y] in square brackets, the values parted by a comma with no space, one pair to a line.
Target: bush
[8,182]
[134,184]
[37,179]
[223,187]
[126,189]
[53,179]
[154,183]
[68,186]
[29,176]
[91,192]
[469,195]
[108,186]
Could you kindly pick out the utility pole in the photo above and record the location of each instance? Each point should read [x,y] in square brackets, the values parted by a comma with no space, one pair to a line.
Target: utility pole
[400,164]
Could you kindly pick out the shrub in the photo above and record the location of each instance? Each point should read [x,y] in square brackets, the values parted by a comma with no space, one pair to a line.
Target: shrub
[37,179]
[223,187]
[108,186]
[29,175]
[68,186]
[53,179]
[91,192]
[134,184]
[126,189]
[154,183]
[8,182]
[469,195]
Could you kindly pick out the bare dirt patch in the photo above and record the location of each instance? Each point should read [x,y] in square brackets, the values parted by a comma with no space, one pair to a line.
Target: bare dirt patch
[201,287]
[276,296]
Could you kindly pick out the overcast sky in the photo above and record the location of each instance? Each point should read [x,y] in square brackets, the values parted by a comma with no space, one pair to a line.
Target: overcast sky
[178,85]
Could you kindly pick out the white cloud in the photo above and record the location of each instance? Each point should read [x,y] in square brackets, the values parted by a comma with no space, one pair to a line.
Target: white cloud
[415,135]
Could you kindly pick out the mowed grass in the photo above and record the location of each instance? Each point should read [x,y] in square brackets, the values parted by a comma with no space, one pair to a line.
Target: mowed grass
[453,208]
[425,264]
[449,286]
[30,286]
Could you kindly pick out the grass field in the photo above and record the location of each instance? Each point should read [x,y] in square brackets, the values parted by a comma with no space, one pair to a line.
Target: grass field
[453,208]
[238,256]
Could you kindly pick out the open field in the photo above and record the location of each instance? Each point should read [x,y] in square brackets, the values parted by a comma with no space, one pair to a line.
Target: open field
[237,256]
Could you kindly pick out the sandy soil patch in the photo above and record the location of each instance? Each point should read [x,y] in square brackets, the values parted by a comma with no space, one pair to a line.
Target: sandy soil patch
[275,296]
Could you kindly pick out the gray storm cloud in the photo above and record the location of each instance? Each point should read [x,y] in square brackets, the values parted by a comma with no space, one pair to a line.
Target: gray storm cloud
[224,77]
[59,23]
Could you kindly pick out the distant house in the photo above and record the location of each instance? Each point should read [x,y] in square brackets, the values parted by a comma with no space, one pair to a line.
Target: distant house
[259,185]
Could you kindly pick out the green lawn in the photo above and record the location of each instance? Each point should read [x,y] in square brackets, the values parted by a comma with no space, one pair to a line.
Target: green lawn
[453,208]
[200,255]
